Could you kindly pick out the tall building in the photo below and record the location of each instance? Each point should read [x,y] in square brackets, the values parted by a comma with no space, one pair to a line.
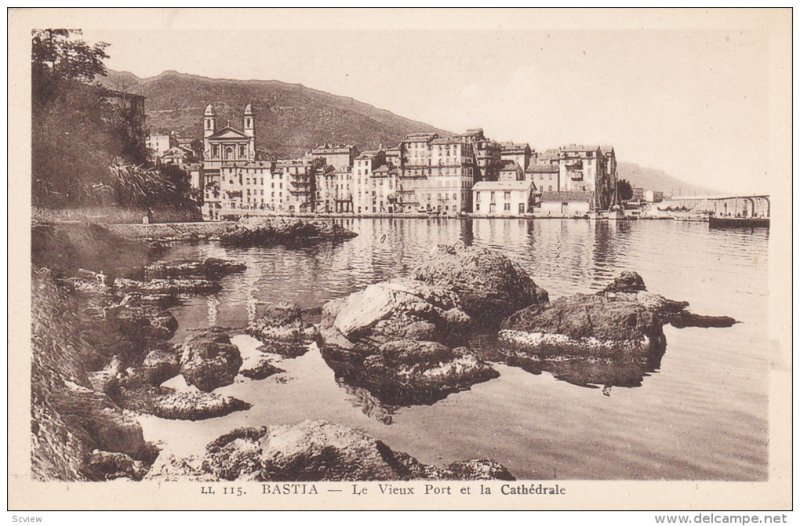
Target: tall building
[364,192]
[586,169]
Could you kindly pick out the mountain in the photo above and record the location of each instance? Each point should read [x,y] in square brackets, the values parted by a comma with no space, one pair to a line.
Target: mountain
[290,118]
[652,179]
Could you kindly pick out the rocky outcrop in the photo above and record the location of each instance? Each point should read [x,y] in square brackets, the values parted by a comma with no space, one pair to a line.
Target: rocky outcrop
[273,231]
[209,359]
[616,333]
[392,339]
[489,285]
[282,330]
[70,419]
[168,403]
[259,369]
[167,286]
[323,451]
[211,268]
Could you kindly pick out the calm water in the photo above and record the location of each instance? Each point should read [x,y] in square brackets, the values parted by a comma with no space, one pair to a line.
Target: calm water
[701,415]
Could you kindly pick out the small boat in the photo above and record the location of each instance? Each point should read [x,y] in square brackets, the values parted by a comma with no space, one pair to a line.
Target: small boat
[738,222]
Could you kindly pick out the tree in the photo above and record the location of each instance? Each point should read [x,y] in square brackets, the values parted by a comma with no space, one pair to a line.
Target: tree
[624,190]
[58,58]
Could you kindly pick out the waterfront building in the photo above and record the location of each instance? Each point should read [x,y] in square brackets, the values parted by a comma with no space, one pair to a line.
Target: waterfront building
[586,169]
[638,194]
[518,153]
[325,179]
[502,198]
[564,204]
[343,197]
[414,169]
[300,178]
[383,182]
[448,189]
[545,176]
[364,195]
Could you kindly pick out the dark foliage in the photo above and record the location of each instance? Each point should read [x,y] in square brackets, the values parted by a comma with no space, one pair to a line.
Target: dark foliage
[624,189]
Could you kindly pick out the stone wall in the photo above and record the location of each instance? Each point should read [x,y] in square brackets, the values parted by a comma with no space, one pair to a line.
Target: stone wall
[115,215]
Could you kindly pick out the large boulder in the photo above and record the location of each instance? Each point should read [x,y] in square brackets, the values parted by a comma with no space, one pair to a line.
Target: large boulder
[282,330]
[489,285]
[209,359]
[323,451]
[613,337]
[393,338]
[271,231]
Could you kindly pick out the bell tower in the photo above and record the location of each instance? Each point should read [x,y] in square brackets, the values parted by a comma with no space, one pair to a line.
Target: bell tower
[209,126]
[250,130]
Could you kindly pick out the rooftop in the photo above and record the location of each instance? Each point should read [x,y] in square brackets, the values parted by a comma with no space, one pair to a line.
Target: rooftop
[542,168]
[502,185]
[566,196]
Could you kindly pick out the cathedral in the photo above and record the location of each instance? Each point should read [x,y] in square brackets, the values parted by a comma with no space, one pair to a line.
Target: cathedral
[229,144]
[235,174]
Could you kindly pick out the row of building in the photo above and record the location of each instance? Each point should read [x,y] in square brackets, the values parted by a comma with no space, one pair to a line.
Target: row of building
[425,173]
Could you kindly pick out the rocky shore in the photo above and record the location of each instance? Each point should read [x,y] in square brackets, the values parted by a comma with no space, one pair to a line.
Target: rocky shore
[103,350]
[313,451]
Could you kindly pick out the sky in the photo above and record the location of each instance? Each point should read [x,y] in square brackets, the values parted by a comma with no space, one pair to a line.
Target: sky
[691,101]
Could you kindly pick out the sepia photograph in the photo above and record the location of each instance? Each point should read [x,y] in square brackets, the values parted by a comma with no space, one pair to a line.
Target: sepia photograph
[400,258]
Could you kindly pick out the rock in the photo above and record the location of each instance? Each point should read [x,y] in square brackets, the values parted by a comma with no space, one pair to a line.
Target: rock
[281,328]
[209,360]
[167,286]
[270,231]
[488,284]
[586,324]
[259,370]
[104,465]
[212,268]
[171,468]
[613,337]
[157,367]
[99,422]
[684,319]
[323,451]
[168,403]
[627,281]
[392,339]
[477,469]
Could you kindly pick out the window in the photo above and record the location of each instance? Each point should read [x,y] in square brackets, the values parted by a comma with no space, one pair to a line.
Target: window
[507,207]
[522,208]
[477,198]
[477,207]
[506,195]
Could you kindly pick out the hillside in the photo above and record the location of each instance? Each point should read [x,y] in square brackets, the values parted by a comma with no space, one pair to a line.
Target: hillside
[290,118]
[653,179]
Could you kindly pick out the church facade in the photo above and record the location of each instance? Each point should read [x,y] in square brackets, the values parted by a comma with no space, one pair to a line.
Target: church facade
[234,174]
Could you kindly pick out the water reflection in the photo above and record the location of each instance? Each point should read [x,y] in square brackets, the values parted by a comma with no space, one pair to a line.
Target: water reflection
[704,413]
